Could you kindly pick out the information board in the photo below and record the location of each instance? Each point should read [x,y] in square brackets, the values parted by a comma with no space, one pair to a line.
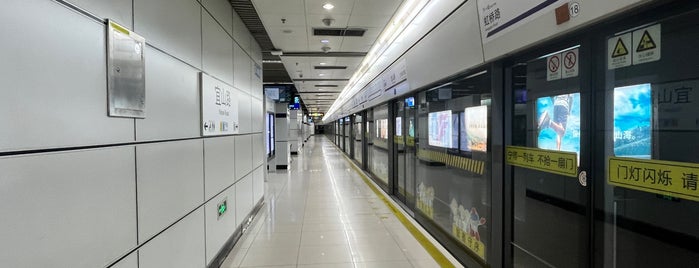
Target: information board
[219,107]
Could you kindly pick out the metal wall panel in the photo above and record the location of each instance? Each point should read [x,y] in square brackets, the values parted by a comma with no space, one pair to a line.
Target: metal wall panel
[258,150]
[54,79]
[219,163]
[243,198]
[116,10]
[244,112]
[218,50]
[241,35]
[130,261]
[170,183]
[258,184]
[180,246]
[171,25]
[448,49]
[219,229]
[172,94]
[242,68]
[222,12]
[58,206]
[258,120]
[243,155]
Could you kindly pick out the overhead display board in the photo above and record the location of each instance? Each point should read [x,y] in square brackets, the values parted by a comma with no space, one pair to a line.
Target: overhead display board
[126,72]
[219,107]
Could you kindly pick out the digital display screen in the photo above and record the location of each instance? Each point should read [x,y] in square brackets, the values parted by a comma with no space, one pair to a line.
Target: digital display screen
[558,122]
[439,125]
[632,121]
[399,126]
[410,102]
[476,124]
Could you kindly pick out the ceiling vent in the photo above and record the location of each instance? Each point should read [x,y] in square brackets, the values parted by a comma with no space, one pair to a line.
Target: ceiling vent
[330,67]
[338,32]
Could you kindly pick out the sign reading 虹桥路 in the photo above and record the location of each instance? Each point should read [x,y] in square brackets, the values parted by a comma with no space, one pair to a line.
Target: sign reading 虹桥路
[557,162]
[676,179]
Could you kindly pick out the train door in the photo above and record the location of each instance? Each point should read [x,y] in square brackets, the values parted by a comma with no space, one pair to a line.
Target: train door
[548,158]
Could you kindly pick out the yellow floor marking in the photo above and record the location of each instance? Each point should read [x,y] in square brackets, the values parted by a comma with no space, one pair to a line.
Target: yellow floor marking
[421,238]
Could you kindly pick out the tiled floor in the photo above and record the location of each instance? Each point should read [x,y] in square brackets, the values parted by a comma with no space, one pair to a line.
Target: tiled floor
[320,213]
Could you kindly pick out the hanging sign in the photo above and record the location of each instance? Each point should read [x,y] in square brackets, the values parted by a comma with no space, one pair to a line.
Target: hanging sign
[676,179]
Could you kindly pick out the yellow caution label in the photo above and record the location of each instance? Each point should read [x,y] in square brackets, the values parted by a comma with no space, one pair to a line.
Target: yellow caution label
[460,162]
[557,162]
[410,141]
[676,179]
[398,140]
[470,241]
[646,42]
[620,49]
[119,28]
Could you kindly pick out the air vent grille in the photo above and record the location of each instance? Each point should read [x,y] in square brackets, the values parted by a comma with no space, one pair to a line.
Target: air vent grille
[338,32]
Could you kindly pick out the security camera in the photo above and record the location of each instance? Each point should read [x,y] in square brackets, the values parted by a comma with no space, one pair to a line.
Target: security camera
[325,49]
[327,21]
[300,75]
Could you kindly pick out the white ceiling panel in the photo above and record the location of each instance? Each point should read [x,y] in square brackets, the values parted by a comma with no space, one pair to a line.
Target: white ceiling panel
[341,7]
[385,8]
[279,7]
[316,20]
[290,20]
[374,21]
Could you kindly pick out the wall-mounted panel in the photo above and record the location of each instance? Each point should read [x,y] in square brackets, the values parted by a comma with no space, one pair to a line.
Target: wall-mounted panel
[452,47]
[172,92]
[244,112]
[180,246]
[54,96]
[243,199]
[219,163]
[242,68]
[255,51]
[241,35]
[258,184]
[544,26]
[130,261]
[116,10]
[171,25]
[170,183]
[219,228]
[243,155]
[258,150]
[58,206]
[257,116]
[222,12]
[218,50]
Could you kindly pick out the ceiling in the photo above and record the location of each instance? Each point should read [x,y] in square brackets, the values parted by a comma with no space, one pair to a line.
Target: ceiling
[318,75]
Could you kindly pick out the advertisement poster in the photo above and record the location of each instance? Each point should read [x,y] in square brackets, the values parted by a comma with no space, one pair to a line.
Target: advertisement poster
[399,126]
[559,122]
[476,122]
[455,130]
[440,127]
[382,129]
[632,121]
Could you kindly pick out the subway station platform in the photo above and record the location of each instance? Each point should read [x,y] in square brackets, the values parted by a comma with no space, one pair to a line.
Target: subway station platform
[322,213]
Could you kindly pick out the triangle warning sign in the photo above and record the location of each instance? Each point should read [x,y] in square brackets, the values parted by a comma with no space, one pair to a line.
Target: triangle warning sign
[619,49]
[646,42]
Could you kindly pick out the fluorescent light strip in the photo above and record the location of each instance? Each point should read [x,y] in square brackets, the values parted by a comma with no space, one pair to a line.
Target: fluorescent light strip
[406,14]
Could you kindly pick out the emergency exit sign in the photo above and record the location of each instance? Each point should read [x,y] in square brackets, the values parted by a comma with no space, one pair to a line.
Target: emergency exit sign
[222,208]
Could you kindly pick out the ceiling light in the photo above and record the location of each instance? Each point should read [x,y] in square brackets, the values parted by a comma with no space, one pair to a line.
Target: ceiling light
[328,6]
[325,41]
[321,74]
[322,63]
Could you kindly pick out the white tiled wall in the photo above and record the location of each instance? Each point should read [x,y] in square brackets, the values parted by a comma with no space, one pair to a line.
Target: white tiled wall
[147,189]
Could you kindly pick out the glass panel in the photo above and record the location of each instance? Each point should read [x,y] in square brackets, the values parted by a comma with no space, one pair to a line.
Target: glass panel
[346,128]
[409,132]
[549,211]
[453,167]
[379,144]
[649,217]
[357,132]
[399,149]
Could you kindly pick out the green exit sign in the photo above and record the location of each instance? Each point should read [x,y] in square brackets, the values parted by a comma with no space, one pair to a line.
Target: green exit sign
[222,208]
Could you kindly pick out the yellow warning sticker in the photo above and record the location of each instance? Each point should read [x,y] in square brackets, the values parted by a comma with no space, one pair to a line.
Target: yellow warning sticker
[676,179]
[647,43]
[557,162]
[619,49]
[118,28]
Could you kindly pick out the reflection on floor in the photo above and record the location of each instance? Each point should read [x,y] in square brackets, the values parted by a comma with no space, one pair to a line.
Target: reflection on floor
[321,214]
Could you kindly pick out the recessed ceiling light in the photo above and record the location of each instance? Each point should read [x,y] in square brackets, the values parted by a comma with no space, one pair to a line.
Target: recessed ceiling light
[328,6]
[325,41]
[321,74]
[322,63]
